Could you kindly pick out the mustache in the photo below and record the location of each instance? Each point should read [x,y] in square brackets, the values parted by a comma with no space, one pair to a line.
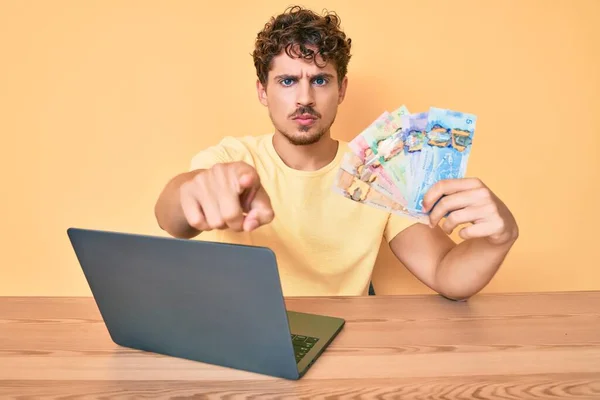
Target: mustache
[305,110]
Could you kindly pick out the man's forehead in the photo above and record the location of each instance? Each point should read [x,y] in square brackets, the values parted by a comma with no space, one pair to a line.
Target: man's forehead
[284,64]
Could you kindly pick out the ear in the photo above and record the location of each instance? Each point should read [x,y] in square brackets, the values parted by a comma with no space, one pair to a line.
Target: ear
[342,90]
[262,93]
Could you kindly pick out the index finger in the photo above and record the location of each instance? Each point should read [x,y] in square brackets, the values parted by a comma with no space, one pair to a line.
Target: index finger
[446,187]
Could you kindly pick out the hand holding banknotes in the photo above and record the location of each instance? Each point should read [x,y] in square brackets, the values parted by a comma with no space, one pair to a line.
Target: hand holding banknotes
[469,201]
[226,196]
[400,157]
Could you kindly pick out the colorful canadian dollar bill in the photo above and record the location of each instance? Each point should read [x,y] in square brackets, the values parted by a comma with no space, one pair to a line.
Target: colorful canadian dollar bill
[378,136]
[371,141]
[348,184]
[396,159]
[351,186]
[445,150]
[404,167]
[359,144]
[352,164]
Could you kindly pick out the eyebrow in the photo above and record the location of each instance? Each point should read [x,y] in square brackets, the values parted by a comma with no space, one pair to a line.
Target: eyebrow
[289,76]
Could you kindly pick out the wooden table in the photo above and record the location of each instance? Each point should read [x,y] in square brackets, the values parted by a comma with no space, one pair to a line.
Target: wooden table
[510,346]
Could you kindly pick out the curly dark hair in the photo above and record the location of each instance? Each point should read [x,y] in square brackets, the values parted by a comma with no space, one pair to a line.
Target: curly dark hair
[294,31]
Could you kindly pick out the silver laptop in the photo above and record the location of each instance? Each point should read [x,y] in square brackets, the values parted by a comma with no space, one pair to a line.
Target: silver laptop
[216,303]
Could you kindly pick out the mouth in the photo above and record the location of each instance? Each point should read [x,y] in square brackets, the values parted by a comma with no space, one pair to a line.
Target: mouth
[305,119]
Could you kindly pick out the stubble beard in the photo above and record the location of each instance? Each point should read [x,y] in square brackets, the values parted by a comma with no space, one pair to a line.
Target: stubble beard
[304,140]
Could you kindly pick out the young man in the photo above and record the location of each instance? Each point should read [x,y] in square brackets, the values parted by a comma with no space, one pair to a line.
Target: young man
[275,190]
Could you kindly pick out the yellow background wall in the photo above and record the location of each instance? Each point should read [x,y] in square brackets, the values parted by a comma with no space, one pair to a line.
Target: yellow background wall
[101,102]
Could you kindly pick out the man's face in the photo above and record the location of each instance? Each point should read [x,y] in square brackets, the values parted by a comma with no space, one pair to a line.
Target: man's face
[302,98]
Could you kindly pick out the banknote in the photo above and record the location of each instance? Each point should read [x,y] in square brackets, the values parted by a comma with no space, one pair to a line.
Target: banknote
[404,169]
[398,157]
[379,136]
[357,183]
[371,140]
[369,143]
[354,165]
[355,189]
[383,183]
[352,187]
[359,144]
[445,151]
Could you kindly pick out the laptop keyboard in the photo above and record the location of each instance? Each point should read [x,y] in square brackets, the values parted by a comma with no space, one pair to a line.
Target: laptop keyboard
[302,344]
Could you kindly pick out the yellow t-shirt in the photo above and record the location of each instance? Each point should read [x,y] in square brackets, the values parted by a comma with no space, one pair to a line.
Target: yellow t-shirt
[325,243]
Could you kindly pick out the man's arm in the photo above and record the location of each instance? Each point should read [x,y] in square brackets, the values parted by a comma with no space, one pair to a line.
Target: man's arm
[458,271]
[168,210]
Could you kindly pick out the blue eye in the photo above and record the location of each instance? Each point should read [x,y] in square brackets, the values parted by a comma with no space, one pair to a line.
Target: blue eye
[287,81]
[320,81]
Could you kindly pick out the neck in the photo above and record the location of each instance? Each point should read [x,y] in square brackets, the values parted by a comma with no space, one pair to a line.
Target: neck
[309,157]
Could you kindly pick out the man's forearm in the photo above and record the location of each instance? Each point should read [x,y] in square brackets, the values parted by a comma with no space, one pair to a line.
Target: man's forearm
[469,267]
[168,211]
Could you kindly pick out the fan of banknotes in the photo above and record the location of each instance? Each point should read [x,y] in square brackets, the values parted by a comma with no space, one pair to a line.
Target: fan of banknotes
[400,155]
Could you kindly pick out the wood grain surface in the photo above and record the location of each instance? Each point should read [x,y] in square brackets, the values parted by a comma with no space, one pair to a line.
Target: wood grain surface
[494,346]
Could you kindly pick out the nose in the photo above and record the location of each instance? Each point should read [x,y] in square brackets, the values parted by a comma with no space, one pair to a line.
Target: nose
[305,94]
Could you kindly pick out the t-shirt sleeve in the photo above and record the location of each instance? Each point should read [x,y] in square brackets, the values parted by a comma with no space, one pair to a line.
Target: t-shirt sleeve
[396,224]
[227,150]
